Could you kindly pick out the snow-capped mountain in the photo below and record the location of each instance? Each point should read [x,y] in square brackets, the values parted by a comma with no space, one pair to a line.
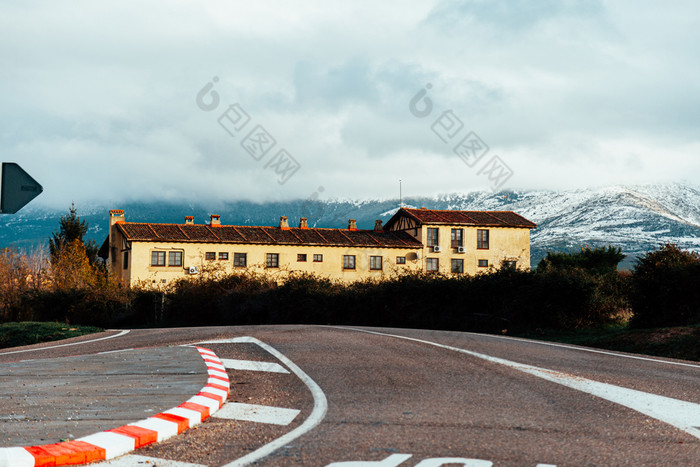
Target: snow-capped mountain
[635,218]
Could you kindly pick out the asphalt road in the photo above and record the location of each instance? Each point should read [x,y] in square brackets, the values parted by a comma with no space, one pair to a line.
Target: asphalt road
[396,397]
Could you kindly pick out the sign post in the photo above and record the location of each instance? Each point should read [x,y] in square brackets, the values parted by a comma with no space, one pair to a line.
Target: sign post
[17,188]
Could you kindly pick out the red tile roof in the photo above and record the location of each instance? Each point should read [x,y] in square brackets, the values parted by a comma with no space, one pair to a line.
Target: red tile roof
[476,218]
[198,233]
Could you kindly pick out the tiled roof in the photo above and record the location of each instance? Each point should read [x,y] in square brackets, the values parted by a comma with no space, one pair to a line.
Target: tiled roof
[476,218]
[265,235]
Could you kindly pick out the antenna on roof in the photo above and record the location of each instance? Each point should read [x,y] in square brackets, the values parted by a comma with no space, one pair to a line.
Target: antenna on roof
[400,195]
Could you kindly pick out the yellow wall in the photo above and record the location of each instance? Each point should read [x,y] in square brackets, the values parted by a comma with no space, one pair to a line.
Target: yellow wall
[505,243]
[139,267]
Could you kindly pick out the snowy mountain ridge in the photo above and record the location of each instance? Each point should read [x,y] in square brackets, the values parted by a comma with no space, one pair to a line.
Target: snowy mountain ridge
[634,218]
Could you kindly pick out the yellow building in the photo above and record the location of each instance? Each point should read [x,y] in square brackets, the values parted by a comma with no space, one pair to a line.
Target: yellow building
[413,240]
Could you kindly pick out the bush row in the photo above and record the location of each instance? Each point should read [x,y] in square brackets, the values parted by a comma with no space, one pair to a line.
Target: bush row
[564,295]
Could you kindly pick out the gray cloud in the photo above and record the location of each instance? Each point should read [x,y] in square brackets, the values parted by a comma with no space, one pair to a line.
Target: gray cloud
[99,98]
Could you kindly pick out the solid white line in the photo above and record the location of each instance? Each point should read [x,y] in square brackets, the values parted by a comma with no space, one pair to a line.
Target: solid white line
[257,413]
[586,349]
[132,460]
[126,331]
[317,414]
[678,413]
[250,365]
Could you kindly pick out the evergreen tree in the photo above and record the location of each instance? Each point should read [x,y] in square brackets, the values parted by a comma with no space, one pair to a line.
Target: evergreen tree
[72,230]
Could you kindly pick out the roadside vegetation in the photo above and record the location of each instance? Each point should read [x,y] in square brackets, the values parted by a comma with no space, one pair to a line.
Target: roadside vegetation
[28,333]
[577,297]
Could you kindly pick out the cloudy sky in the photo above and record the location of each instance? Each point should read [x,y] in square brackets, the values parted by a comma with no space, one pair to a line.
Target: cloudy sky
[109,101]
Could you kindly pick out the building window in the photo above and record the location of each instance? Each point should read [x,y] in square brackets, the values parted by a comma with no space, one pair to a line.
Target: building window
[457,266]
[456,237]
[348,261]
[400,260]
[432,264]
[482,239]
[240,260]
[433,237]
[125,263]
[157,258]
[223,256]
[318,258]
[483,263]
[174,258]
[509,264]
[210,256]
[272,260]
[375,263]
[301,258]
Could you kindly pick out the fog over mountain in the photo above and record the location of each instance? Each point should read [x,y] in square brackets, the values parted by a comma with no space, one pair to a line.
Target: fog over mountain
[635,218]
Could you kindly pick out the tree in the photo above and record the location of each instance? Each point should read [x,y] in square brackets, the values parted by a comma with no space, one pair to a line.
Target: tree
[72,229]
[665,288]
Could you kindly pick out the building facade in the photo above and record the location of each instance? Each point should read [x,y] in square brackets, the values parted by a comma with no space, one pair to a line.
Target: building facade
[455,242]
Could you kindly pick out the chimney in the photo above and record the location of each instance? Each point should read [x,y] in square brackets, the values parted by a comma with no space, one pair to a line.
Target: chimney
[378,225]
[116,215]
[215,220]
[189,220]
[352,224]
[303,223]
[284,224]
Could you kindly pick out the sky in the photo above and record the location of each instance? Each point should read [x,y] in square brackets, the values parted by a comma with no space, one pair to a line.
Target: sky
[114,101]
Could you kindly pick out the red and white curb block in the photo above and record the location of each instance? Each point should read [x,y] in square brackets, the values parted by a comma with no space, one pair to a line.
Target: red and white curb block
[119,441]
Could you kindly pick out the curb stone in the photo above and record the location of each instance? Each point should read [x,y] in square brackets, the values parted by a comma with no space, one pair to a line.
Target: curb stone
[118,441]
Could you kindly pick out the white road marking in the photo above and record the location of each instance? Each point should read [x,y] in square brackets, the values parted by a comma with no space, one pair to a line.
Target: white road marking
[393,460]
[586,349]
[249,365]
[16,457]
[317,414]
[438,462]
[257,413]
[132,460]
[678,413]
[126,331]
[114,351]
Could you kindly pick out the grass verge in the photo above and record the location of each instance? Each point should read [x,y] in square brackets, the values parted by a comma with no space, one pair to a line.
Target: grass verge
[28,332]
[681,342]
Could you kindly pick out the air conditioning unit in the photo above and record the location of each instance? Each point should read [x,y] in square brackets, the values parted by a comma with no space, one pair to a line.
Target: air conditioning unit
[461,249]
[436,249]
[193,270]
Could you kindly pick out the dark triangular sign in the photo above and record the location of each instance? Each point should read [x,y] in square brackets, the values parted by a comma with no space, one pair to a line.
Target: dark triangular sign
[18,188]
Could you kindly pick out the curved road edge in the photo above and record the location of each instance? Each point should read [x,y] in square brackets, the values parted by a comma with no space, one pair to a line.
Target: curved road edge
[118,441]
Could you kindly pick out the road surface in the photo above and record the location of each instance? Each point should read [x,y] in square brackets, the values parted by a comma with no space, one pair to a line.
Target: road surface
[348,397]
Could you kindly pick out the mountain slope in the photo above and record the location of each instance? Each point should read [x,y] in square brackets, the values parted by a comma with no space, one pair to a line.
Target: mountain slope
[635,218]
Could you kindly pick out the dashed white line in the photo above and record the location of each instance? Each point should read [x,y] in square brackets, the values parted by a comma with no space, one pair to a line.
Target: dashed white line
[678,413]
[249,365]
[257,413]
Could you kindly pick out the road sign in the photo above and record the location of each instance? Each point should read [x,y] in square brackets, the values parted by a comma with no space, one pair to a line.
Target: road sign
[17,188]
